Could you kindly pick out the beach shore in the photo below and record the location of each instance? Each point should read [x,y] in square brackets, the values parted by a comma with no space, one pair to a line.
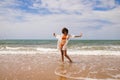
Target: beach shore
[49,67]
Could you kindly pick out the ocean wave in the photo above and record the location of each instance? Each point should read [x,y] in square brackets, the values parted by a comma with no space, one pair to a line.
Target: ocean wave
[83,50]
[114,48]
[27,49]
[70,52]
[46,49]
[93,52]
[111,48]
[7,48]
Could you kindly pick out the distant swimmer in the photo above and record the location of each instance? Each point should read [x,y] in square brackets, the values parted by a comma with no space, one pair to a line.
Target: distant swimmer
[63,41]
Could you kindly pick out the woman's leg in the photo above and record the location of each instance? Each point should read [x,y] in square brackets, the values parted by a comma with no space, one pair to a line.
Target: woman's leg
[62,55]
[65,53]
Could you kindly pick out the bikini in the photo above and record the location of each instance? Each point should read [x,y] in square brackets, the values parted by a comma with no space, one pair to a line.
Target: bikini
[63,41]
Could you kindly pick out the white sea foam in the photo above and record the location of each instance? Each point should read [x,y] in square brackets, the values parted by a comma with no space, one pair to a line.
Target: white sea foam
[53,50]
[117,76]
[94,52]
[57,72]
[13,48]
[46,49]
[40,50]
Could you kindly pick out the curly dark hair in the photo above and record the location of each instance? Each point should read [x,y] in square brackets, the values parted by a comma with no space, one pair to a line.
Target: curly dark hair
[65,30]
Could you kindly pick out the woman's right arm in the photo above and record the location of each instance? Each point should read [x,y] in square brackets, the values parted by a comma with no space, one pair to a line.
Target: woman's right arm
[79,35]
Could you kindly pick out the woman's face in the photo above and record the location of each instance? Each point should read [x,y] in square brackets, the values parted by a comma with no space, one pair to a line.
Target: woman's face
[65,33]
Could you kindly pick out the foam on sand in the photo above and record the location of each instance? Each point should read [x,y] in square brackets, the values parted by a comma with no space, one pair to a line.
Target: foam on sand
[88,69]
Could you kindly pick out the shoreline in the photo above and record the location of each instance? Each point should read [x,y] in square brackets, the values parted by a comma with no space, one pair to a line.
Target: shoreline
[70,52]
[43,67]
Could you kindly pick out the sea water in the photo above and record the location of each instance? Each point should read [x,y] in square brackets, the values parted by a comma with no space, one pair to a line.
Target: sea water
[110,65]
[83,47]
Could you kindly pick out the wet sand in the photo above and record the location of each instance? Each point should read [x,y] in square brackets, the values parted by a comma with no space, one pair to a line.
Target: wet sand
[49,67]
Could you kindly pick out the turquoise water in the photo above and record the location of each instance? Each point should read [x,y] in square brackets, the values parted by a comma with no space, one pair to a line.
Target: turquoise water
[73,44]
[83,47]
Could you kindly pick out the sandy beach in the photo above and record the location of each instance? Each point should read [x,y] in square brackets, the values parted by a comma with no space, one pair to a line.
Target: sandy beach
[49,67]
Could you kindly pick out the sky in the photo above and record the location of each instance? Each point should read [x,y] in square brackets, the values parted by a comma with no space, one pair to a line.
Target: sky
[39,19]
